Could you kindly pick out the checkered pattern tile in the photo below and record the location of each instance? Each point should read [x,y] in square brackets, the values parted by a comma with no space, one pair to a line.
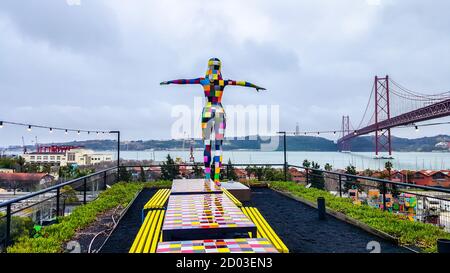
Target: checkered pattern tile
[203,211]
[244,245]
[195,186]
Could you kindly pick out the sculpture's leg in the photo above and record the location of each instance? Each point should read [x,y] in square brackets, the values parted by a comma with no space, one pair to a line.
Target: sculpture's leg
[217,160]
[219,131]
[207,126]
[207,159]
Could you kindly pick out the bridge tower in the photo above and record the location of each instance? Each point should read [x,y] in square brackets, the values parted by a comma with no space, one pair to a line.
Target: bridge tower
[382,112]
[345,146]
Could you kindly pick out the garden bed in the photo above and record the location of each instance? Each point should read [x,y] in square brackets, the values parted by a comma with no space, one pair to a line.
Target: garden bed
[408,233]
[83,219]
[299,227]
[122,237]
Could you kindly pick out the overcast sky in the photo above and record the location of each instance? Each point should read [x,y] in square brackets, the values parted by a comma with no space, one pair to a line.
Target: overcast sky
[95,64]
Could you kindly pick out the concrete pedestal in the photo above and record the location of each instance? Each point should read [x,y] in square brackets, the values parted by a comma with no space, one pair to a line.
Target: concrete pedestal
[239,190]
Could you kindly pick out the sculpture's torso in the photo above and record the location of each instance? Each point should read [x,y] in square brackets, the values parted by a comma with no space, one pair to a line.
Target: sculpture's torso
[213,86]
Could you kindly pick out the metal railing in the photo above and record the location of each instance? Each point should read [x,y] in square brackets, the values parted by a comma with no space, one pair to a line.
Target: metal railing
[416,202]
[45,205]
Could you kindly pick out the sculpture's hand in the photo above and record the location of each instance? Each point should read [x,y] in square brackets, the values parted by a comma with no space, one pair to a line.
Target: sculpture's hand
[164,83]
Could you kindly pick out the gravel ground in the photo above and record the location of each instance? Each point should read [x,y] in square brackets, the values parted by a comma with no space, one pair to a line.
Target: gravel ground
[300,229]
[92,237]
[297,225]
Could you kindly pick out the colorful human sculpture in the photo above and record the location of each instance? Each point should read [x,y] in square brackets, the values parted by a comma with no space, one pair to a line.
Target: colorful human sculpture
[213,115]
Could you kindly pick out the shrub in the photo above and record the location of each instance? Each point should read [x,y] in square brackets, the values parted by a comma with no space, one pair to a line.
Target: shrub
[20,226]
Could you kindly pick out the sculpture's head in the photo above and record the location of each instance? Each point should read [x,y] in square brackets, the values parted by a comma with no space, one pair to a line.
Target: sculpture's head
[214,66]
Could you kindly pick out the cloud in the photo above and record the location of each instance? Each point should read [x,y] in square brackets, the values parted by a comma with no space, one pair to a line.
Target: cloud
[91,26]
[98,64]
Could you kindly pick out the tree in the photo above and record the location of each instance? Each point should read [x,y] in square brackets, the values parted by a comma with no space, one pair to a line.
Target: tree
[230,172]
[249,170]
[124,174]
[142,176]
[46,168]
[77,172]
[197,171]
[328,167]
[351,182]
[30,168]
[368,172]
[7,163]
[64,172]
[317,179]
[69,196]
[306,163]
[394,190]
[388,167]
[259,173]
[169,170]
[14,185]
[21,164]
[272,174]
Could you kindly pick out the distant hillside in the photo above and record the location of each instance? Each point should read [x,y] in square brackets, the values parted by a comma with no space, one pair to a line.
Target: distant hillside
[295,143]
[424,144]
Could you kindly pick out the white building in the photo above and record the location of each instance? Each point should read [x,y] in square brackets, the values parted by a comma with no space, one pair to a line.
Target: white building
[4,170]
[443,145]
[75,156]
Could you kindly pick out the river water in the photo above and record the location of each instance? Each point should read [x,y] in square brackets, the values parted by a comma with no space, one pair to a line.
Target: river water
[401,160]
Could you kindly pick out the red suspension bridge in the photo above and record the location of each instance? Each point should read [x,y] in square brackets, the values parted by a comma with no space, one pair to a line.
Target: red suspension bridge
[392,105]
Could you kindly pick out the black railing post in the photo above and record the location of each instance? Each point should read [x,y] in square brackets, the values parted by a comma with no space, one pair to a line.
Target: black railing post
[384,195]
[58,191]
[84,190]
[307,176]
[285,157]
[8,225]
[118,153]
[104,180]
[285,165]
[340,185]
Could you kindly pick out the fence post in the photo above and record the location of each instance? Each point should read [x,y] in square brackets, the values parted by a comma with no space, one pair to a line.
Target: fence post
[8,225]
[285,171]
[307,175]
[384,195]
[84,190]
[58,190]
[321,207]
[340,185]
[104,179]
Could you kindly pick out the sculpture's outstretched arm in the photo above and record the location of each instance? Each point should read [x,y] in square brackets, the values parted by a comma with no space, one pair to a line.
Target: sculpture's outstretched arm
[244,83]
[183,81]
